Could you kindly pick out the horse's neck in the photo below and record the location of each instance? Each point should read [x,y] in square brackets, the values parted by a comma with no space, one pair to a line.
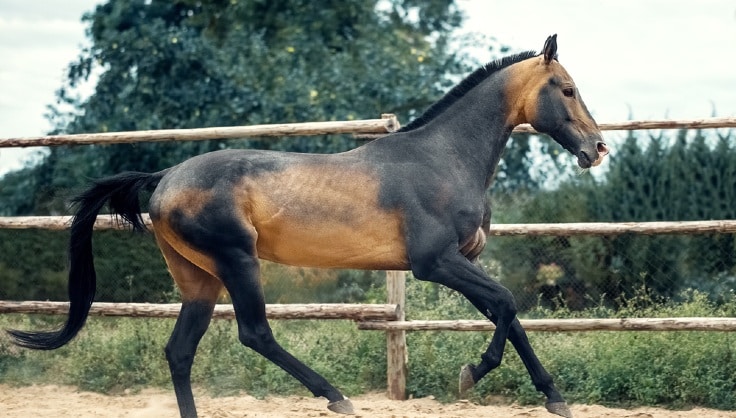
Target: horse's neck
[474,129]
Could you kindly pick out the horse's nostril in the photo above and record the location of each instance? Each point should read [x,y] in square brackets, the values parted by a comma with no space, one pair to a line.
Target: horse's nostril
[602,148]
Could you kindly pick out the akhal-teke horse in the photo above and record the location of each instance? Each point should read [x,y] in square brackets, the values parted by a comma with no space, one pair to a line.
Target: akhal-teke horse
[411,200]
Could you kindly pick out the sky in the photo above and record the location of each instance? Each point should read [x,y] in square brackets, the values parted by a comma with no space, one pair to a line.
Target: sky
[651,59]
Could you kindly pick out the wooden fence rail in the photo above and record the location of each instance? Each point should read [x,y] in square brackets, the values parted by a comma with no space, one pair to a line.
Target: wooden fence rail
[388,123]
[561,229]
[634,125]
[562,325]
[381,317]
[615,228]
[368,127]
[351,311]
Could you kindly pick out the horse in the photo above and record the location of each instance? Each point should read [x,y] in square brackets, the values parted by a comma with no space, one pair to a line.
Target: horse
[412,200]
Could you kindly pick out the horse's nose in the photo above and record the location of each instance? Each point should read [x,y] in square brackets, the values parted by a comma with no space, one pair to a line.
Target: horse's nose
[602,150]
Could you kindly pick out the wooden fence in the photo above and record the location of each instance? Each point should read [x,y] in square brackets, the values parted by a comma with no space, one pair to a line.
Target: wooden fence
[389,317]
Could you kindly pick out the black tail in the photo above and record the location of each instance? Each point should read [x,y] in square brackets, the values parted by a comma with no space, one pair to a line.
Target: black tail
[122,192]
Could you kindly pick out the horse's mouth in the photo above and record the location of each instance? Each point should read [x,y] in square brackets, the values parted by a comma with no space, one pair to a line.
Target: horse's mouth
[584,160]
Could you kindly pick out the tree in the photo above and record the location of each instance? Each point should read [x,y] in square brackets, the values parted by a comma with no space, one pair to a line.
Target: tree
[194,63]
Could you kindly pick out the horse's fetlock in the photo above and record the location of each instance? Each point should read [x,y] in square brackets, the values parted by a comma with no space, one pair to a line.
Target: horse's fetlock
[545,384]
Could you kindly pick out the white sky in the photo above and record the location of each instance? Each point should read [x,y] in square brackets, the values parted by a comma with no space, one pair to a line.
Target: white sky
[648,59]
[651,58]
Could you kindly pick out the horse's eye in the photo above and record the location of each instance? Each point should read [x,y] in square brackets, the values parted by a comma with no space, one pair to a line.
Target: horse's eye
[568,92]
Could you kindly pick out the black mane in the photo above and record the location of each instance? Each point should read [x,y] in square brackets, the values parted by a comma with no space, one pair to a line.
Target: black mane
[475,78]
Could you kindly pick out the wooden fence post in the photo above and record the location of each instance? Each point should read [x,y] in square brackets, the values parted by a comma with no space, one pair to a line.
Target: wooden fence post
[397,355]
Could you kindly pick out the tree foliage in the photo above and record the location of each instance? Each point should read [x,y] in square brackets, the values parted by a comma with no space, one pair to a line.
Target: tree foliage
[682,178]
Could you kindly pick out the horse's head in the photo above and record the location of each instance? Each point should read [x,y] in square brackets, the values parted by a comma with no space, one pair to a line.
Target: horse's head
[543,94]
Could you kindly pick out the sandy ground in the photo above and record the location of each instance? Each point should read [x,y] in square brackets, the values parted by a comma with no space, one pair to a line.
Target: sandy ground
[62,401]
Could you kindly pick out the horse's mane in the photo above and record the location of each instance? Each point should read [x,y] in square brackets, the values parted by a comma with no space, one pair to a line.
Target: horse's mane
[475,78]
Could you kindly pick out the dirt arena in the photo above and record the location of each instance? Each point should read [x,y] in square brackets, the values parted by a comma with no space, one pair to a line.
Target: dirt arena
[61,401]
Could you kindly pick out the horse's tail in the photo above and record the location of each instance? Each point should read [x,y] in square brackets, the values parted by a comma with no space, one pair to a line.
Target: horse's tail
[121,191]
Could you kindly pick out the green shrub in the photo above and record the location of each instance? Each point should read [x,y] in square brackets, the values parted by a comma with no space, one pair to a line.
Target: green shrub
[675,369]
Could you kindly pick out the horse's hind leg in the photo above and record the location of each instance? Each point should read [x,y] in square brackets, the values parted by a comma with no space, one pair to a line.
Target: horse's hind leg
[200,291]
[240,273]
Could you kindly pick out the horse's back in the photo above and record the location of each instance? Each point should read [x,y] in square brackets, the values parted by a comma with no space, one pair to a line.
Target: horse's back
[299,209]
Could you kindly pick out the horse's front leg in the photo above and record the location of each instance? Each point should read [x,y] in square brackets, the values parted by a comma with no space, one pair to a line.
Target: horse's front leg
[453,270]
[542,380]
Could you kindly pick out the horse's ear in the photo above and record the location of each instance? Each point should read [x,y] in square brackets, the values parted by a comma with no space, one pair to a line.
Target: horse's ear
[550,49]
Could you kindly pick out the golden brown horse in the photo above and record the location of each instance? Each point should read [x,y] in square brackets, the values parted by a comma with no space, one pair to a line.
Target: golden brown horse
[412,200]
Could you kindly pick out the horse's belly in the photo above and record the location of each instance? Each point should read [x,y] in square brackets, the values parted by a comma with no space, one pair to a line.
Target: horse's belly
[378,246]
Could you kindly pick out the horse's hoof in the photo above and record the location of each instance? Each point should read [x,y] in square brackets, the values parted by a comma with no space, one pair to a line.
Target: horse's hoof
[466,378]
[341,407]
[559,408]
